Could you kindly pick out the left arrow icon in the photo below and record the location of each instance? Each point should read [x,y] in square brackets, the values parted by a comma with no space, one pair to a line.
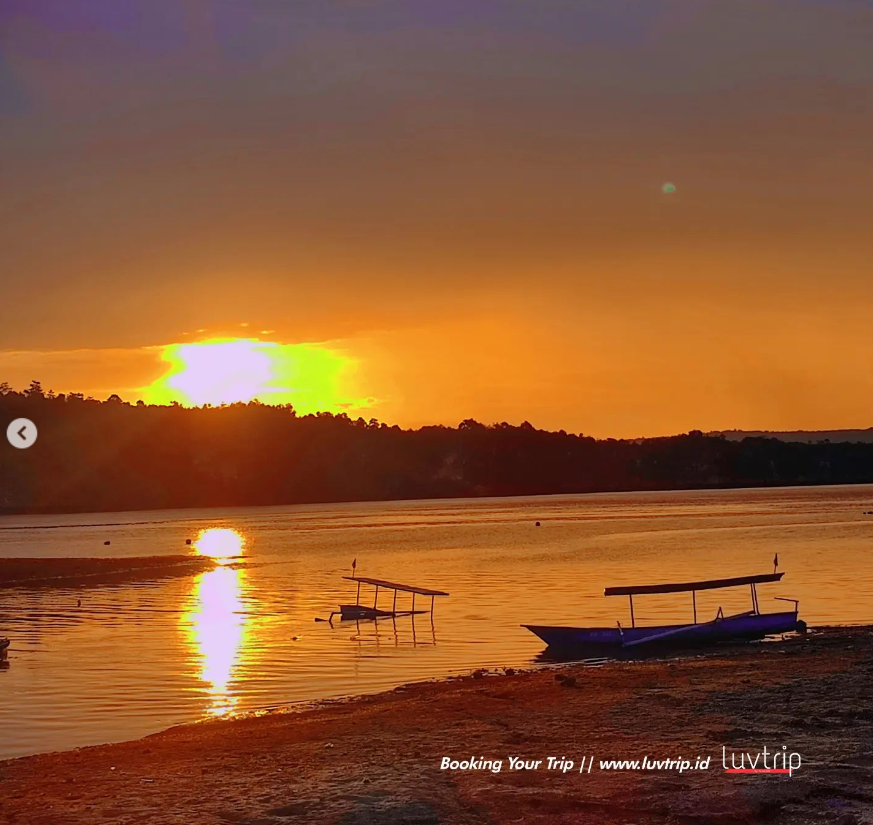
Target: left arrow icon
[21,433]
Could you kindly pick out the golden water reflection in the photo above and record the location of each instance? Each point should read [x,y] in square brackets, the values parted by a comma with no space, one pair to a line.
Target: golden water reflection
[216,627]
[223,544]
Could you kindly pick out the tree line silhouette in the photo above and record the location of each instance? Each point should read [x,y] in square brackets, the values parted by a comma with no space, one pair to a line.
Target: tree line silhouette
[94,456]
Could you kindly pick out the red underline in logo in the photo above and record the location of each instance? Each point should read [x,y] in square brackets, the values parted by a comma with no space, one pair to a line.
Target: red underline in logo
[758,770]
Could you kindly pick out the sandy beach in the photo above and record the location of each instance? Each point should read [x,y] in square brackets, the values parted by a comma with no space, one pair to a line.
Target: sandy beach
[377,759]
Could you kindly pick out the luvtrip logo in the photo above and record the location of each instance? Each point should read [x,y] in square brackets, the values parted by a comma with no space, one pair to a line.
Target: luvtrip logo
[764,761]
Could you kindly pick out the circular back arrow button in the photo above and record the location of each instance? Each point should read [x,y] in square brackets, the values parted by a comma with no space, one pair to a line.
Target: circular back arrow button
[21,433]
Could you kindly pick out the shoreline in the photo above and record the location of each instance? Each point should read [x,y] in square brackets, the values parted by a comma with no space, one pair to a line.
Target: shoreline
[369,759]
[31,513]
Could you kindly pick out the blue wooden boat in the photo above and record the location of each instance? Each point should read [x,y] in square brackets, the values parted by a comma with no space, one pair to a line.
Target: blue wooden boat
[746,626]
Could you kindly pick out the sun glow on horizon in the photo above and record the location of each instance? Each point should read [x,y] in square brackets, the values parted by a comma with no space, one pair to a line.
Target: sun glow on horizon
[312,378]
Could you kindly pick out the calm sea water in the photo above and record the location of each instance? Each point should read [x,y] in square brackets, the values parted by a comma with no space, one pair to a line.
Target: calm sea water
[134,659]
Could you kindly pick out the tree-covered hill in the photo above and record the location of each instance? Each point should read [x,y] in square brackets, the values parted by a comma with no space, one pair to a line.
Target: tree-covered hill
[110,455]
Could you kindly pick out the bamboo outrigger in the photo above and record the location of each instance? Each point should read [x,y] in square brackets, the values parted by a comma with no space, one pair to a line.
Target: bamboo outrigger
[361,611]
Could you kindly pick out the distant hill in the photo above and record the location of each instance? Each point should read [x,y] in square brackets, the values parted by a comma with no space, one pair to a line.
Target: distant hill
[97,456]
[806,436]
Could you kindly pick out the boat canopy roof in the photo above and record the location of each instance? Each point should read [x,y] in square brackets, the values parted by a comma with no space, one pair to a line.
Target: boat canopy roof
[406,588]
[684,587]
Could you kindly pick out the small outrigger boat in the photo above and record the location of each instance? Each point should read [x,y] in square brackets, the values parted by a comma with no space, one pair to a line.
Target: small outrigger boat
[362,611]
[747,626]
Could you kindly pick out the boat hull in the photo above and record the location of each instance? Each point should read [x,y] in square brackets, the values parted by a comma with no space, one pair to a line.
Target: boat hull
[359,611]
[732,628]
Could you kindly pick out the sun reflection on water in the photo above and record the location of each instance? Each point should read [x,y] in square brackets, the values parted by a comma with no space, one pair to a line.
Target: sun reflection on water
[223,544]
[216,627]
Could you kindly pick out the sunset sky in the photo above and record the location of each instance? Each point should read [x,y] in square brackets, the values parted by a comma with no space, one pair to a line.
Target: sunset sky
[430,210]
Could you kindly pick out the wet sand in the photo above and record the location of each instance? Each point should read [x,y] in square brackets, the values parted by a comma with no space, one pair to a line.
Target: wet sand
[74,572]
[376,760]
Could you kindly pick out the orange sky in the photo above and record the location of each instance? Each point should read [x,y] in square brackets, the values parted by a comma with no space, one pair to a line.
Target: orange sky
[462,200]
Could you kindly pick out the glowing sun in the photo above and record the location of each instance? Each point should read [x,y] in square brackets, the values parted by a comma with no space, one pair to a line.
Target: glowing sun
[310,377]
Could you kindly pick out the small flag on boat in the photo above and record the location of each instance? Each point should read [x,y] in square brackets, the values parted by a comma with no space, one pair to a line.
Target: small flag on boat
[354,565]
[775,562]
